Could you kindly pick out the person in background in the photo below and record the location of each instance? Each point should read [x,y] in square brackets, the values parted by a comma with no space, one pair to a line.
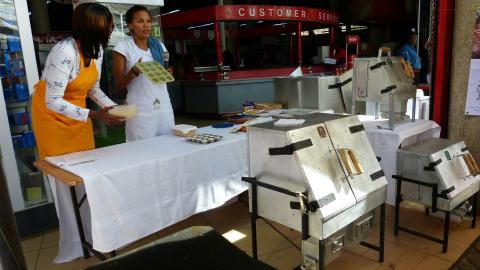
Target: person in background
[61,122]
[409,52]
[229,59]
[191,61]
[340,54]
[155,113]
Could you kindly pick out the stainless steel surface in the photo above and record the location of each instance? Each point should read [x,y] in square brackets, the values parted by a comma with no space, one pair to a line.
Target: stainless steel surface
[322,170]
[333,246]
[309,92]
[353,213]
[211,68]
[291,94]
[357,143]
[360,228]
[452,172]
[370,83]
[335,170]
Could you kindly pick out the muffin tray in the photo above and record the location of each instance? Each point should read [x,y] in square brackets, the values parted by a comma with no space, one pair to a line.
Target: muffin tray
[204,138]
[155,72]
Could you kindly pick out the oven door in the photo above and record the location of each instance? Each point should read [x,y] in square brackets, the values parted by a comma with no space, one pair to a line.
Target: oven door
[322,170]
[356,156]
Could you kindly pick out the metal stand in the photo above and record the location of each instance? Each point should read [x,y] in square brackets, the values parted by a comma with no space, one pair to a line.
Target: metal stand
[304,222]
[86,246]
[435,196]
[391,112]
[381,248]
[253,221]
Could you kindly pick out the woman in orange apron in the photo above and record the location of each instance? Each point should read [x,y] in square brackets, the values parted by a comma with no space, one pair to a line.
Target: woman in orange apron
[61,122]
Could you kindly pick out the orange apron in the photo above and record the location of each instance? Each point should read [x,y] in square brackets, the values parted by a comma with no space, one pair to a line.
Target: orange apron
[56,134]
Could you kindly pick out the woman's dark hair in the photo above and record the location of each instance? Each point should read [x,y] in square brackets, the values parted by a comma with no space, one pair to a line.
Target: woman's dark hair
[131,11]
[91,26]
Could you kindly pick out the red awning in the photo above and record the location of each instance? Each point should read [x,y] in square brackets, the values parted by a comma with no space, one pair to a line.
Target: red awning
[248,13]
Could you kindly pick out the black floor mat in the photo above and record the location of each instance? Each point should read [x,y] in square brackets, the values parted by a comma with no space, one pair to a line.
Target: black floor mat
[193,248]
[470,259]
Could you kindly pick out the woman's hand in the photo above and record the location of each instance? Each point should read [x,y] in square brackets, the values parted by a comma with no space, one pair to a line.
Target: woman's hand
[105,117]
[135,71]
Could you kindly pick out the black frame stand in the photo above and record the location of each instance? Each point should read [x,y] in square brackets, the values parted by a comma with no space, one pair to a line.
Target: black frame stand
[435,196]
[305,234]
[86,246]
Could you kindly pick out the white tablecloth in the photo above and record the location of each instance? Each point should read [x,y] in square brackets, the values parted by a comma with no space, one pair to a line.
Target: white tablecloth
[138,188]
[385,143]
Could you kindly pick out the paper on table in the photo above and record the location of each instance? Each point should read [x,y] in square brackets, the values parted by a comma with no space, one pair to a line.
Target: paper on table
[269,113]
[289,122]
[71,159]
[296,73]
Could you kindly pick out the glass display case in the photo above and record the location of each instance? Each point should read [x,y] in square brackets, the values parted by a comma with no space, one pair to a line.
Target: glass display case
[18,73]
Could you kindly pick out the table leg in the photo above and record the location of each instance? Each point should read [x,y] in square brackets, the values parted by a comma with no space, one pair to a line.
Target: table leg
[381,252]
[253,221]
[78,219]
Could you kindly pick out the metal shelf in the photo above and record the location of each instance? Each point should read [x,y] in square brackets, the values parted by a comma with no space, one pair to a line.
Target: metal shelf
[17,104]
[20,129]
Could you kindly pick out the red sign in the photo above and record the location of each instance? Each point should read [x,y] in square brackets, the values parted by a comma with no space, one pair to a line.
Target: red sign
[281,13]
[353,39]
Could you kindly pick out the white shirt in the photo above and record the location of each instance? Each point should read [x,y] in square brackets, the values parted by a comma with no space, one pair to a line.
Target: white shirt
[63,66]
[150,98]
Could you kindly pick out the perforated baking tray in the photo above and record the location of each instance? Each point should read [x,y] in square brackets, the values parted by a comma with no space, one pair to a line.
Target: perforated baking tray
[155,72]
[204,138]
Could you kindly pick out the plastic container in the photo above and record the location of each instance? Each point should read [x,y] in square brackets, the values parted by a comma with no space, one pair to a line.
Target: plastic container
[8,95]
[238,119]
[14,44]
[248,105]
[17,141]
[21,92]
[21,118]
[18,118]
[127,111]
[24,140]
[28,139]
[18,68]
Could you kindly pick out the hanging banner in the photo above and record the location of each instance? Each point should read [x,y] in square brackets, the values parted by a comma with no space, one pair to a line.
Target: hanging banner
[473,95]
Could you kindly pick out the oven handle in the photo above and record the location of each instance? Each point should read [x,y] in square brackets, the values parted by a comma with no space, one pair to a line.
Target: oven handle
[356,164]
[468,162]
[474,164]
[344,157]
[347,156]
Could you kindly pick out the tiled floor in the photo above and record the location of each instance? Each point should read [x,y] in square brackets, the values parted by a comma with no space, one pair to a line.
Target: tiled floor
[402,252]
